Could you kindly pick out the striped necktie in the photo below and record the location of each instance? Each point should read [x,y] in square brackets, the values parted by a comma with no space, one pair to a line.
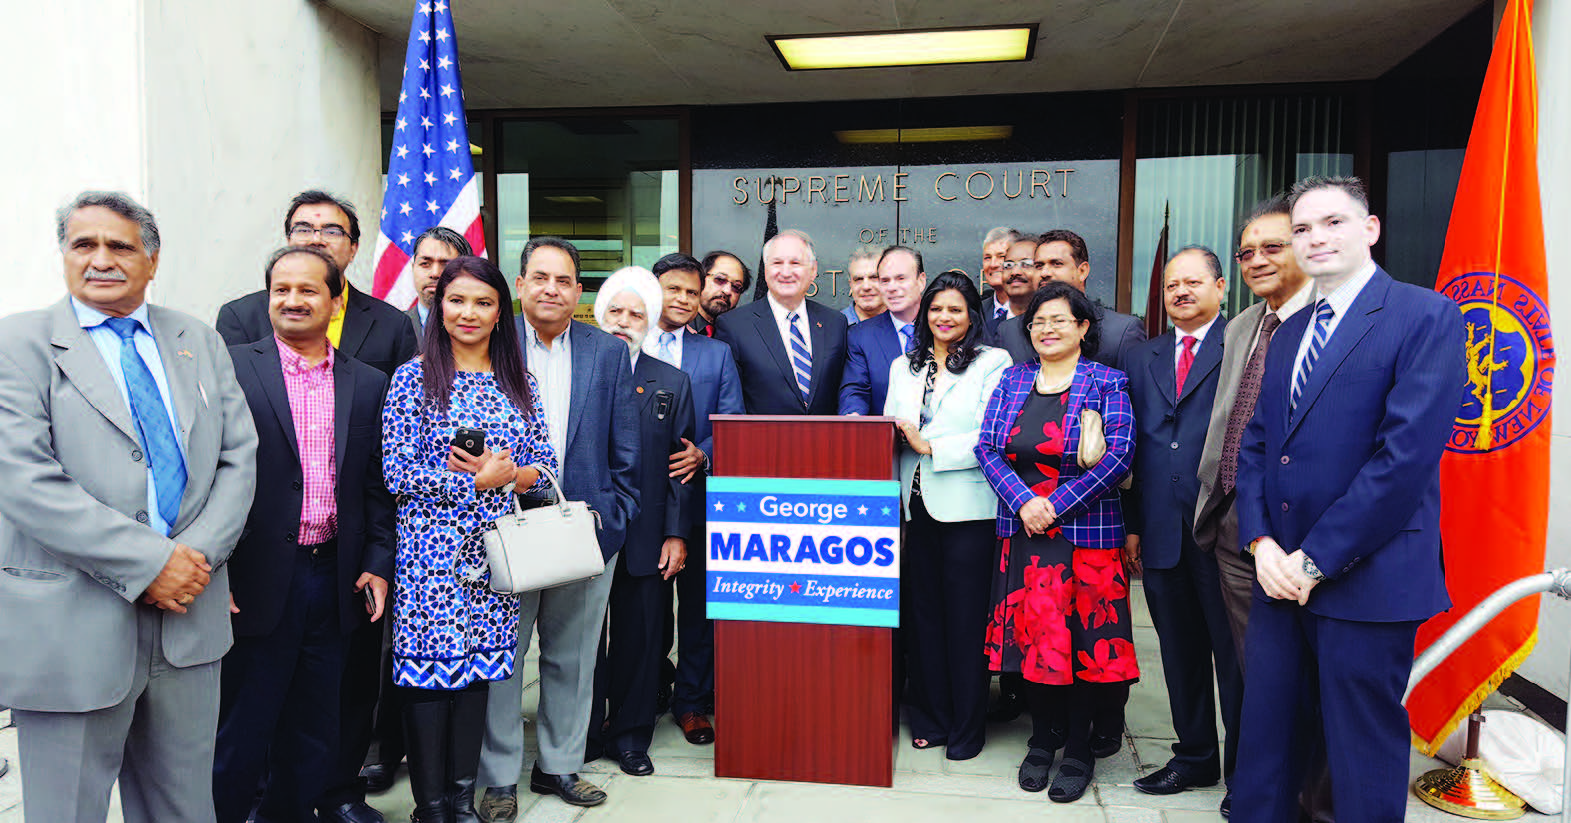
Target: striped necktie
[801,360]
[907,337]
[1000,313]
[1317,344]
[152,422]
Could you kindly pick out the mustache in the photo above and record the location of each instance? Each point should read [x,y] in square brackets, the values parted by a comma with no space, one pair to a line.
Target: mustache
[113,275]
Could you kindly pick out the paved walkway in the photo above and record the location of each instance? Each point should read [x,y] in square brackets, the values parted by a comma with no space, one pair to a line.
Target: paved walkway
[927,787]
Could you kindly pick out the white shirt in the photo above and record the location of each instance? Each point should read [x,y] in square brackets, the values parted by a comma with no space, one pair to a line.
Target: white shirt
[553,371]
[1288,308]
[900,324]
[781,313]
[652,345]
[1341,300]
[1198,334]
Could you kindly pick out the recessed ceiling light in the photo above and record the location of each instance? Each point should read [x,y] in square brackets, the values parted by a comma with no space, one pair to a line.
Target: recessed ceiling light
[918,47]
[941,134]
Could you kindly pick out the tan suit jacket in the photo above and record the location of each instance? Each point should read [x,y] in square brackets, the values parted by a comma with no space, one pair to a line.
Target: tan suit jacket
[75,556]
[1216,521]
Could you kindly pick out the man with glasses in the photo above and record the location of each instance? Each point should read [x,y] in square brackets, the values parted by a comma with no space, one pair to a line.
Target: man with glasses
[726,279]
[380,336]
[874,344]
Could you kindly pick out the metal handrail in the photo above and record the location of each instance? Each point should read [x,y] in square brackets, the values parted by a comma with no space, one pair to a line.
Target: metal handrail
[1557,582]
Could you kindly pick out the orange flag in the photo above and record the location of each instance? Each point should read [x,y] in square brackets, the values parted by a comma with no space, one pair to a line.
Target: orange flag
[1494,477]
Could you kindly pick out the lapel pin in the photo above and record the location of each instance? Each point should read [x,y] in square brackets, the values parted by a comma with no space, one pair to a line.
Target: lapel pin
[184,353]
[640,389]
[820,325]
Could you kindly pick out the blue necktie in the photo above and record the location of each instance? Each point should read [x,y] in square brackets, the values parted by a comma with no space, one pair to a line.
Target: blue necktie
[801,361]
[666,354]
[907,337]
[152,422]
[1001,313]
[1316,345]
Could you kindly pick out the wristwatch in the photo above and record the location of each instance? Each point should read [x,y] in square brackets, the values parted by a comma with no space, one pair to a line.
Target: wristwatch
[1312,570]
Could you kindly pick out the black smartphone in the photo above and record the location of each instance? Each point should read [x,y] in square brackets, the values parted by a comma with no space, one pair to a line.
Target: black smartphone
[370,599]
[470,440]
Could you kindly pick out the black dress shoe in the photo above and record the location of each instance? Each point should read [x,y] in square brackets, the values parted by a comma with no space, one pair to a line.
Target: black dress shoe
[662,700]
[636,764]
[573,789]
[378,777]
[1167,781]
[356,812]
[1103,746]
[1227,805]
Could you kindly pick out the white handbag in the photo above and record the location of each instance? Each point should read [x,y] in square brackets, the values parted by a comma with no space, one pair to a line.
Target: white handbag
[544,547]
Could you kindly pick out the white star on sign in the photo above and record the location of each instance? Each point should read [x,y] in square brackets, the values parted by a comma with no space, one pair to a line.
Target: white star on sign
[403,151]
[430,178]
[449,119]
[861,510]
[399,125]
[425,123]
[447,90]
[455,174]
[403,208]
[719,507]
[452,145]
[430,206]
[441,34]
[443,62]
[425,148]
[403,179]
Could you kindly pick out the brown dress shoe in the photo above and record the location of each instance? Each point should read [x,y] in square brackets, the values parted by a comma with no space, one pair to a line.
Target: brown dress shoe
[696,728]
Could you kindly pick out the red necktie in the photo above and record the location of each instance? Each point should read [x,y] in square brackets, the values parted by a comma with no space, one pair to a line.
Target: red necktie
[1186,360]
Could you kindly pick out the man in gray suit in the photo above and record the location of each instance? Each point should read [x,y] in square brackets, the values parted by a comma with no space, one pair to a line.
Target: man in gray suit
[592,418]
[1063,255]
[128,459]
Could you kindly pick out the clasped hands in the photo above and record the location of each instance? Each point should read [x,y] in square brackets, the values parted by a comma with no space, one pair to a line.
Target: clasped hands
[1281,574]
[1037,515]
[185,576]
[491,469]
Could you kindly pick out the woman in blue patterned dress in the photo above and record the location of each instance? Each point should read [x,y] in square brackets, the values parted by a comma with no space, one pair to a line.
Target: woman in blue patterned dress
[451,633]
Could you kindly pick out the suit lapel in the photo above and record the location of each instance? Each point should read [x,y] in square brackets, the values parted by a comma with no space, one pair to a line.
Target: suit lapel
[1351,329]
[820,342]
[644,384]
[81,361]
[1161,367]
[1207,361]
[174,350]
[764,324]
[357,321]
[583,357]
[270,371]
[343,400]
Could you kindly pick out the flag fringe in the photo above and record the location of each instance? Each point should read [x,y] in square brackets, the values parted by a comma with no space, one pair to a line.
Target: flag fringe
[1477,698]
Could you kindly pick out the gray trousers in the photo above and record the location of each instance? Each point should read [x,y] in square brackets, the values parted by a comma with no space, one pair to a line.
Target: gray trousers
[158,742]
[571,619]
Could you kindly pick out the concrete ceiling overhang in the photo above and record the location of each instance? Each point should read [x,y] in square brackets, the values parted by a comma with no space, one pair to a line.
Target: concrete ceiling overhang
[577,53]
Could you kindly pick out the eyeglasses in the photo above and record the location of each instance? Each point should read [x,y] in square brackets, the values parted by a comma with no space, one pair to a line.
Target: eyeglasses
[1269,250]
[1011,265]
[302,232]
[1054,323]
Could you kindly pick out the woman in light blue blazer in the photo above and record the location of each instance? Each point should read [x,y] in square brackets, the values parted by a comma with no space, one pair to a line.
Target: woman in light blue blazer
[938,392]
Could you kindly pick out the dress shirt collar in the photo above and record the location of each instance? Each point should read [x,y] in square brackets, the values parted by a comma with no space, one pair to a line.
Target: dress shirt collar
[1342,299]
[560,342]
[88,317]
[425,313]
[1198,334]
[295,363]
[781,312]
[1291,306]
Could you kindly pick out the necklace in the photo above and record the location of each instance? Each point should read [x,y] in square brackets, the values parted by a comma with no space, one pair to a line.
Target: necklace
[1043,387]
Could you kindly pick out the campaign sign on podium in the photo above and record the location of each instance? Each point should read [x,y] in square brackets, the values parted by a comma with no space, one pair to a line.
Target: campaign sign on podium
[803,550]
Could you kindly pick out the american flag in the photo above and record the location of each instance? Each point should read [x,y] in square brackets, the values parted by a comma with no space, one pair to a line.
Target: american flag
[430,178]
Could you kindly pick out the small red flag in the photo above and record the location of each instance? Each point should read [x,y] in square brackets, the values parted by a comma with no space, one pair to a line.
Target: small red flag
[1494,477]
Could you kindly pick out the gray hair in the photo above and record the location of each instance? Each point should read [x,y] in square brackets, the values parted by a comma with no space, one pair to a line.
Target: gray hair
[999,233]
[812,257]
[866,251]
[118,202]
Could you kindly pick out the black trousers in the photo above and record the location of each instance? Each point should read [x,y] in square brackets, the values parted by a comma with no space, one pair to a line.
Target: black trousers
[947,582]
[627,668]
[1197,651]
[278,709]
[364,668]
[694,690]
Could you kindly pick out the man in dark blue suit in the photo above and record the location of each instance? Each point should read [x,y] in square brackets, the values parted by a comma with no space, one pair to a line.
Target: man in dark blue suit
[1339,501]
[592,419]
[628,669]
[320,532]
[789,351]
[1172,383]
[716,390]
[873,344]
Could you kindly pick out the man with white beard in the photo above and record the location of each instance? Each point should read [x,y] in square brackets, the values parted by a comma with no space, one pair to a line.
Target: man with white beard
[627,671]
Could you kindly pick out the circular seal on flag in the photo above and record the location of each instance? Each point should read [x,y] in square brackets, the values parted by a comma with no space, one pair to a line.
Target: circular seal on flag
[1509,361]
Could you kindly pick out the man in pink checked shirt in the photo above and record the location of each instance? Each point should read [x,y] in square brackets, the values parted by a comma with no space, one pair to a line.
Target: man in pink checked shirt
[314,559]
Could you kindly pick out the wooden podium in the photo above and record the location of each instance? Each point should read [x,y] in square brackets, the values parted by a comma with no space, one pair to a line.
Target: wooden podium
[797,701]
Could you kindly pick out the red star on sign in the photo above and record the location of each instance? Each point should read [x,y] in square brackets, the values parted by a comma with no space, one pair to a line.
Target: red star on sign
[796,587]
